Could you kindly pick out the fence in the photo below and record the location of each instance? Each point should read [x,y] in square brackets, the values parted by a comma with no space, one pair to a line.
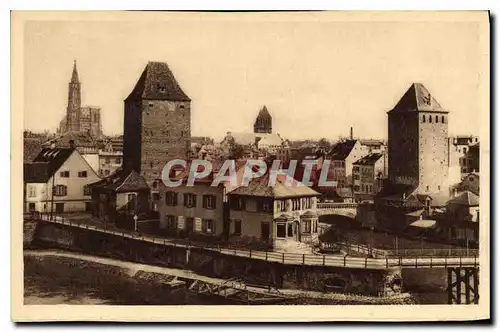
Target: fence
[287,258]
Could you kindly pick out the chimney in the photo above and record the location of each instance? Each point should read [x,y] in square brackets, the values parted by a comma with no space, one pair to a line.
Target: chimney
[351,135]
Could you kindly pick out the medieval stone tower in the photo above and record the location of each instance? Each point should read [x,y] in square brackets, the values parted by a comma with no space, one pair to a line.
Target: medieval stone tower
[418,142]
[74,102]
[264,122]
[157,122]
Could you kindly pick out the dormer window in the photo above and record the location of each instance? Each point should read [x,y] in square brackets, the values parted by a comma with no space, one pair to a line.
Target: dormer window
[162,89]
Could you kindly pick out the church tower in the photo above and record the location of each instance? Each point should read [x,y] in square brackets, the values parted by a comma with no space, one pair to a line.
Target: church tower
[264,122]
[418,142]
[74,102]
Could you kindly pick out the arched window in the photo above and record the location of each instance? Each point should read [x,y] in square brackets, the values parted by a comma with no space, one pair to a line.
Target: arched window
[437,119]
[430,118]
[423,118]
[442,119]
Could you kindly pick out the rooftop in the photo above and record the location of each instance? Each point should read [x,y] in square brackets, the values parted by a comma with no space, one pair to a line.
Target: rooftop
[418,98]
[45,164]
[157,82]
[370,159]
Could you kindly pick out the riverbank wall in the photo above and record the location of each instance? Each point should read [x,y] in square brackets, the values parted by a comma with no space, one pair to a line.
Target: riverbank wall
[361,281]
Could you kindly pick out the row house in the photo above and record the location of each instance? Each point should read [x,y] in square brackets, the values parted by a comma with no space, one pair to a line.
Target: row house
[368,174]
[56,180]
[342,155]
[273,216]
[198,211]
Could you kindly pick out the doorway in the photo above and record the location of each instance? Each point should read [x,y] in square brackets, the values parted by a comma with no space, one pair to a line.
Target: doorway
[189,225]
[264,230]
[59,207]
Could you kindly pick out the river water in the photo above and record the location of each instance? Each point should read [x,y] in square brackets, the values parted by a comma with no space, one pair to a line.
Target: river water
[67,279]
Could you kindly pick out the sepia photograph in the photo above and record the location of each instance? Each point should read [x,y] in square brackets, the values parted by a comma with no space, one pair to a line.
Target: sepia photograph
[287,165]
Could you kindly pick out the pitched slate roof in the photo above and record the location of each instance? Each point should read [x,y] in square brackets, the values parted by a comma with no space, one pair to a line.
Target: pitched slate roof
[263,114]
[341,150]
[370,159]
[121,181]
[157,82]
[45,164]
[418,98]
[466,198]
[259,187]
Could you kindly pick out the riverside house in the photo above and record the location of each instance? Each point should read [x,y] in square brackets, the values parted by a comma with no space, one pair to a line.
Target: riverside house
[274,216]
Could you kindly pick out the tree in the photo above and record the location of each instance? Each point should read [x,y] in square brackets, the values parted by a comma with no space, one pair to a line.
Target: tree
[324,144]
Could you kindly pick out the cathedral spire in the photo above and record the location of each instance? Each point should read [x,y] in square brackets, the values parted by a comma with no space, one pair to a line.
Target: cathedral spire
[74,76]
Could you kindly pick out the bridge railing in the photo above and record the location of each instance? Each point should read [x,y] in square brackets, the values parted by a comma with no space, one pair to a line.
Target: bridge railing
[287,258]
[323,206]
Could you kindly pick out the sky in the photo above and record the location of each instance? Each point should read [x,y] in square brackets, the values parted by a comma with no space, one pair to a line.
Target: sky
[317,79]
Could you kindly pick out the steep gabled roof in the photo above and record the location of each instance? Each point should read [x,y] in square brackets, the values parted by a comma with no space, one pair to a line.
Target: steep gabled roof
[418,98]
[370,159]
[45,164]
[263,114]
[341,150]
[157,82]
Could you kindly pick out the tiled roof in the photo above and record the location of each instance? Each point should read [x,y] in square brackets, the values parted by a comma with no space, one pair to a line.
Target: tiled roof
[246,139]
[45,164]
[157,82]
[417,98]
[341,150]
[466,198]
[260,187]
[121,181]
[370,159]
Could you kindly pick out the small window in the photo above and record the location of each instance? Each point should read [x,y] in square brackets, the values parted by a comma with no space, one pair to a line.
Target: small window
[442,119]
[209,201]
[208,226]
[423,118]
[170,198]
[82,174]
[439,187]
[106,172]
[430,118]
[281,230]
[60,190]
[237,227]
[64,174]
[189,200]
[181,107]
[437,119]
[118,161]
[306,226]
[87,191]
[156,197]
[108,160]
[162,89]
[32,191]
[150,104]
[427,188]
[171,222]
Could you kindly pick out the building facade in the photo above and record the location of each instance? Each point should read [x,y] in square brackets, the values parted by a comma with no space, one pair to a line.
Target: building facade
[157,123]
[418,142]
[342,156]
[273,216]
[56,180]
[368,174]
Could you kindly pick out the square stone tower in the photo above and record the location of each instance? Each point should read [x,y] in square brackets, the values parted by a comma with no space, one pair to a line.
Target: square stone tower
[418,142]
[157,122]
